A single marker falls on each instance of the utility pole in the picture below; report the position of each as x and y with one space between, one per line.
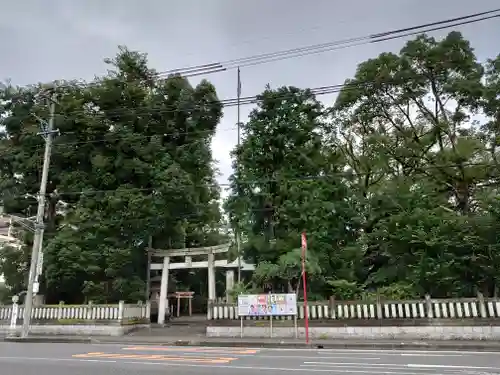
238 237
47 132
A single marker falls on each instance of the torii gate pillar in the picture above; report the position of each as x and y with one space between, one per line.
166 266
211 276
163 303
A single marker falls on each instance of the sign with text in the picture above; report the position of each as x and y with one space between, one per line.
267 304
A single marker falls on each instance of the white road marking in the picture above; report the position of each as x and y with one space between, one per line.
333 356
257 355
208 351
396 366
152 363
451 367
431 355
253 368
372 351
398 352
57 359
385 351
379 368
364 371
356 364
332 367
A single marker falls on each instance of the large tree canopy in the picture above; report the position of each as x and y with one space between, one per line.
287 181
133 160
395 183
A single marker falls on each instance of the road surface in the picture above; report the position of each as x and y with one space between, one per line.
104 359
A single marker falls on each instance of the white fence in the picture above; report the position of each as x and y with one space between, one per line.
120 313
463 308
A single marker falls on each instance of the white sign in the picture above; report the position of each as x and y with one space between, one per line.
267 304
36 287
13 318
39 264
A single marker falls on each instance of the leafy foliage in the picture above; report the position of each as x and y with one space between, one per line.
132 161
395 184
5 294
398 192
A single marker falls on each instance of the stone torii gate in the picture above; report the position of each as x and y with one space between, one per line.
187 253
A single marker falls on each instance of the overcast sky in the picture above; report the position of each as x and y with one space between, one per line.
68 39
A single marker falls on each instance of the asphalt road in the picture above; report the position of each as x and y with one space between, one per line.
84 359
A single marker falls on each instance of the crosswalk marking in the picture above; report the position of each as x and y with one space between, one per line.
188 349
157 357
188 355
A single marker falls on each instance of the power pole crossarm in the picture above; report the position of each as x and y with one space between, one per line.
47 133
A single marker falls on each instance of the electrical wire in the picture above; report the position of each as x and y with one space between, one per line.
136 220
230 102
258 59
146 111
263 58
335 48
284 179
221 66
367 39
322 90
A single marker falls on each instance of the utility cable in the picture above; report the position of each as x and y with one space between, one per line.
148 111
324 47
224 65
250 182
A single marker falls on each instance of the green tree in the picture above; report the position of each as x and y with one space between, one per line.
5 294
419 164
286 181
132 161
14 267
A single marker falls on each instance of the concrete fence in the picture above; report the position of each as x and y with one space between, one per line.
121 313
428 308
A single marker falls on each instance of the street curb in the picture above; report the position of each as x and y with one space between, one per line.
47 340
214 344
365 345
318 345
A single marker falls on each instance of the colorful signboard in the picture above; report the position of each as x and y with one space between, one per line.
267 304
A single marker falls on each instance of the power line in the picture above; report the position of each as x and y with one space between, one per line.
276 56
379 40
367 39
215 67
142 219
323 90
329 46
282 179
230 102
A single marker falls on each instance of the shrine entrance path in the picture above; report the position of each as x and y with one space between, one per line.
184 326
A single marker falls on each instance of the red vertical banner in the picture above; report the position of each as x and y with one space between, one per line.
304 279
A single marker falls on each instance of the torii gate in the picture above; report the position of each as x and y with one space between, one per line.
187 253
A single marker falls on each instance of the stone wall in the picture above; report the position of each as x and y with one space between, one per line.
75 330
362 333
